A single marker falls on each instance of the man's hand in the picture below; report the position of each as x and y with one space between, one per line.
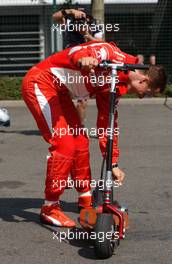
60 18
88 63
88 36
78 14
118 175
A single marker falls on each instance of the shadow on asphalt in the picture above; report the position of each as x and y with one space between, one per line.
85 244
12 208
168 107
22 132
31 133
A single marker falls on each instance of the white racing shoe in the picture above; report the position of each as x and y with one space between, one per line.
4 117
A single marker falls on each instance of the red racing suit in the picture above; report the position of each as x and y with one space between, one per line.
47 90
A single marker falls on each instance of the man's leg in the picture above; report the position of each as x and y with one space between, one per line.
81 107
80 172
43 102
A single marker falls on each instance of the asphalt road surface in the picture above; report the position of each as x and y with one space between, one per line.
146 157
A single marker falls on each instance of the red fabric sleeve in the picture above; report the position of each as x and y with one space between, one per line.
96 49
76 54
101 51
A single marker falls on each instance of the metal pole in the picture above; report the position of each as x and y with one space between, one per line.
97 11
54 32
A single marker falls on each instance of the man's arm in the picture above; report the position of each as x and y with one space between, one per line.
89 37
88 57
83 55
98 51
60 16
102 100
